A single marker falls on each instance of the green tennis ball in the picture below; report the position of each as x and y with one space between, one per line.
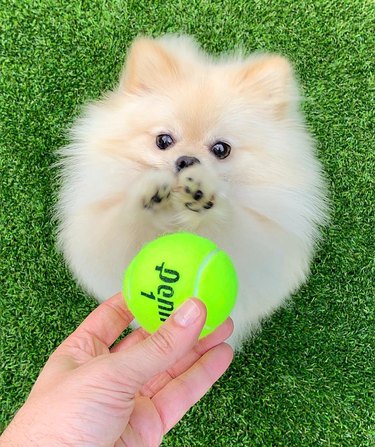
173 268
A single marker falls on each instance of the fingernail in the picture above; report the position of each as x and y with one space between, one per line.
187 314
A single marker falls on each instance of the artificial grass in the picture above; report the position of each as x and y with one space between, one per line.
308 378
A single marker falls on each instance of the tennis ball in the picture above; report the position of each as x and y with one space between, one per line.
173 268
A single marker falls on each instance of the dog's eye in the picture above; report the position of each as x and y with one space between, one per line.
163 141
221 150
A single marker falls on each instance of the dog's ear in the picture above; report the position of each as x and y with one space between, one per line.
269 79
149 66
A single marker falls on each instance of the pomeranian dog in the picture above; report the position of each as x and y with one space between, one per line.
188 142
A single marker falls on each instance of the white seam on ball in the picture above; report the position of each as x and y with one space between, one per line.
205 261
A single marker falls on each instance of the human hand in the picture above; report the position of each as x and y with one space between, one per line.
130 395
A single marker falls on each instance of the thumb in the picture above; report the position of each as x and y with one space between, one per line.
172 341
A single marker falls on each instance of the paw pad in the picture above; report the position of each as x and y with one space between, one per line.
198 195
161 195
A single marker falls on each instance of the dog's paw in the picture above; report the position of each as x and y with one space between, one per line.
157 190
196 189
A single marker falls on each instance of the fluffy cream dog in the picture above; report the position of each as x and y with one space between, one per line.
188 142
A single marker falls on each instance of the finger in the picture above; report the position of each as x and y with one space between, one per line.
105 323
158 352
173 401
215 338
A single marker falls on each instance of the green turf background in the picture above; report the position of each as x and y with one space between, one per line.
308 378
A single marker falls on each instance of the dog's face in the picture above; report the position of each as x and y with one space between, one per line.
195 128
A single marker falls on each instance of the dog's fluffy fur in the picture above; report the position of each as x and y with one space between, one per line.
266 199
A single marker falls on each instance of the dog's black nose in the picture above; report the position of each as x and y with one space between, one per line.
185 161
